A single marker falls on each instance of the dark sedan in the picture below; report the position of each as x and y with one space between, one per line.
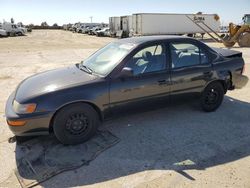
71 102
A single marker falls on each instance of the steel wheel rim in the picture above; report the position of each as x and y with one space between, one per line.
212 97
77 124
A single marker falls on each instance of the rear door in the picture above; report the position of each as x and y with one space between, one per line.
191 68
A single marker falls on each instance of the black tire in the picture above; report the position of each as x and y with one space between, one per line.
244 39
212 97
75 124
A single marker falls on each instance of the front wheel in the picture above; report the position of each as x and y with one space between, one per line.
75 124
212 97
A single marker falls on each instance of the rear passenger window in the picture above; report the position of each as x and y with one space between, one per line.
186 54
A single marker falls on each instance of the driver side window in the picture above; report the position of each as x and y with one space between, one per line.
149 59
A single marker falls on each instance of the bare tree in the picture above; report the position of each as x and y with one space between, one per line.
44 24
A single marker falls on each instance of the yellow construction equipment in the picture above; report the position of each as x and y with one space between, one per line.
238 33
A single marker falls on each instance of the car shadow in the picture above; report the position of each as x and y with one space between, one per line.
178 137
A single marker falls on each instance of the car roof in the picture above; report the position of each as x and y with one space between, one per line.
143 39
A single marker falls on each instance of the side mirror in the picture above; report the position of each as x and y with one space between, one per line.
126 72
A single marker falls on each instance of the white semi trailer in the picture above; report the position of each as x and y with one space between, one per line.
126 25
114 25
161 24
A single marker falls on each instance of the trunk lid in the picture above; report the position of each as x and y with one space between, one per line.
228 53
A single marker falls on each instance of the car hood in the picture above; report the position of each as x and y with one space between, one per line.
50 81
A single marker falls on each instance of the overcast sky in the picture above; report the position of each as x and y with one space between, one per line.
71 11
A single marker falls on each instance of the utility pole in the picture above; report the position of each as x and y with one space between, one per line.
91 18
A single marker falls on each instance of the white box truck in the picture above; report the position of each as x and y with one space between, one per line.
161 24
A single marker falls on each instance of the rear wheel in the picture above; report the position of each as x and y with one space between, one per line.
212 97
244 40
75 123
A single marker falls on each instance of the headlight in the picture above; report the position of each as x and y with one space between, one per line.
24 108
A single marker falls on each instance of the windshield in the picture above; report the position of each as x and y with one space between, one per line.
106 59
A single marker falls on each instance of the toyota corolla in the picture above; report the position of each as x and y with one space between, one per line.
71 102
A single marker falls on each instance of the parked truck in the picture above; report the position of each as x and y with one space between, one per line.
12 29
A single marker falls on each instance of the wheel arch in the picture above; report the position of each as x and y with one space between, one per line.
96 108
221 81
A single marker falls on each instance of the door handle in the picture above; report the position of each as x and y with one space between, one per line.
162 82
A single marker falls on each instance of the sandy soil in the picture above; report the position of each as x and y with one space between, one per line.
156 146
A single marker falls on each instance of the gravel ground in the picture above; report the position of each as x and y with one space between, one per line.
174 146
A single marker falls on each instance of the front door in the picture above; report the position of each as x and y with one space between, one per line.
149 83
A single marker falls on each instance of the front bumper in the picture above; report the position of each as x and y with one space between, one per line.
36 123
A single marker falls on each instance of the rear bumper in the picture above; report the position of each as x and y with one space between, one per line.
35 124
239 81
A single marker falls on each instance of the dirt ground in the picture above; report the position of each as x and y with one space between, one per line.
176 146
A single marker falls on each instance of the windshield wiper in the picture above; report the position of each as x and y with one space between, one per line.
85 68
